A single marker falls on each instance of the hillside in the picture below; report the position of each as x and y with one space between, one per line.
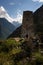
17 52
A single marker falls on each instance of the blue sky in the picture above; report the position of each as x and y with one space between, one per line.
14 7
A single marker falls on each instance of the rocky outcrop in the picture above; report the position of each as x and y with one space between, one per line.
38 22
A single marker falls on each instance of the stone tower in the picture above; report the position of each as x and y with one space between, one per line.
27 24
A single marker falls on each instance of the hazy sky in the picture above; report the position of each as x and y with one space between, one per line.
16 7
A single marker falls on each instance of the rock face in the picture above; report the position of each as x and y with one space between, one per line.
27 24
0 29
38 19
38 22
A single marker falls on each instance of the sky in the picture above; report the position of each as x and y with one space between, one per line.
15 8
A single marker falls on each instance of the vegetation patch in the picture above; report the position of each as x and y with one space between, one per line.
13 52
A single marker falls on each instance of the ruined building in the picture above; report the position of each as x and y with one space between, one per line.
27 24
33 23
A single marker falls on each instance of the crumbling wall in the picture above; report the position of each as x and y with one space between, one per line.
27 24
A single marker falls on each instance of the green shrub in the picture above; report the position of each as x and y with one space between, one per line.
39 59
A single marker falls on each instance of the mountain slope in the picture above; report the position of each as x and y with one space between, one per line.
4 14
7 24
6 28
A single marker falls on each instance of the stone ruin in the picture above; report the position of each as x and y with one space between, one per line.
27 25
32 24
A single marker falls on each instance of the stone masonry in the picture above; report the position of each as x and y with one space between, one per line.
27 24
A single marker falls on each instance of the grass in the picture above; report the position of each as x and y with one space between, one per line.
11 53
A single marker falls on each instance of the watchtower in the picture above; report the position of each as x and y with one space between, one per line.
27 24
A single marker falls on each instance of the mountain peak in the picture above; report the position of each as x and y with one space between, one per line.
2 8
4 14
2 11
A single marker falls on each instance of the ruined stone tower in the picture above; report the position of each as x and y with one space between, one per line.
27 24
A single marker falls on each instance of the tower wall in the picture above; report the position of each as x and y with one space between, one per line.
27 24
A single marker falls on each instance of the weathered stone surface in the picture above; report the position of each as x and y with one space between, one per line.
38 22
27 24
0 29
38 19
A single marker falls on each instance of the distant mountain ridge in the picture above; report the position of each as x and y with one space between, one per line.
6 28
7 24
4 14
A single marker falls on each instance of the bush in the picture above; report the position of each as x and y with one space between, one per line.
38 59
